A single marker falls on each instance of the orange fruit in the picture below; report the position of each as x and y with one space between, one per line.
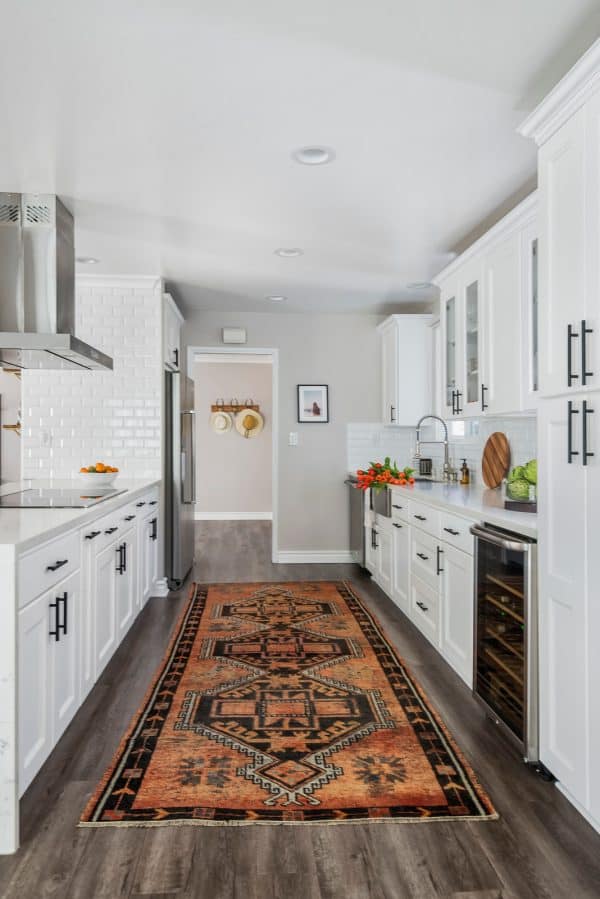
100 467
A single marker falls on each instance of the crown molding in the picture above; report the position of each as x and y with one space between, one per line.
516 218
565 98
146 282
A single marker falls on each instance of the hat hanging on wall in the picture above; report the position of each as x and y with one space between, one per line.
221 422
249 423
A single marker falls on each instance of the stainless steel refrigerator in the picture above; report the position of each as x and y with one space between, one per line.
180 476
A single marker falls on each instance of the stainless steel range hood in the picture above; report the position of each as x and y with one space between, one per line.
37 287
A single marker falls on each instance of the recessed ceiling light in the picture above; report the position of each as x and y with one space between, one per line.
420 285
314 155
87 260
288 252
277 299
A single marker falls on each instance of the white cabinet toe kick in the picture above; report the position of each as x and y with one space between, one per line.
68 602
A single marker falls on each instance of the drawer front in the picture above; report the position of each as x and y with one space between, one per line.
425 559
425 609
39 570
455 530
424 517
99 534
400 507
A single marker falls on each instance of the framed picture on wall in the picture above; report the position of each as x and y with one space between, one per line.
313 403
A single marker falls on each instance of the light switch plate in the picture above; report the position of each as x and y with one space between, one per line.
293 438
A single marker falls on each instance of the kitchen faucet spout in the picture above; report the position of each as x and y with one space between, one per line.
444 442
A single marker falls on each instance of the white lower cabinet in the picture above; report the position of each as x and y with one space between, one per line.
148 557
429 579
401 565
48 673
126 573
456 625
103 589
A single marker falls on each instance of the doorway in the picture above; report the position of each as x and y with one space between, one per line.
236 456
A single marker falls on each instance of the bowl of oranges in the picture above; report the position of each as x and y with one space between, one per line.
99 474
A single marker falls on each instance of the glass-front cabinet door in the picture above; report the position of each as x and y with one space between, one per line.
472 344
451 331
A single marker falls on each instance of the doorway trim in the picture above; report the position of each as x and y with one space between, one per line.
193 351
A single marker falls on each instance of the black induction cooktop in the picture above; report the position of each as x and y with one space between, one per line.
56 498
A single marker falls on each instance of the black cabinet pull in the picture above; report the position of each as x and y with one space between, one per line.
458 406
373 538
452 531
420 517
484 405
394 506
124 557
392 414
585 452
154 531
439 568
423 556
571 336
139 505
153 502
92 535
56 632
129 517
396 525
454 402
62 600
571 411
111 530
422 606
121 566
57 565
585 374
176 354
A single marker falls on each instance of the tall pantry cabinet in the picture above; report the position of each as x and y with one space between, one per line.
566 127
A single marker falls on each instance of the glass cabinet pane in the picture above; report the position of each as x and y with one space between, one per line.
450 349
534 316
472 326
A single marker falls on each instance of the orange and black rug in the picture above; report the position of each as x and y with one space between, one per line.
283 704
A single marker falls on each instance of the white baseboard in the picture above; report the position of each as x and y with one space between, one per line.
332 556
161 587
234 516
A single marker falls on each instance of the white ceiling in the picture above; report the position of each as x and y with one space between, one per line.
168 129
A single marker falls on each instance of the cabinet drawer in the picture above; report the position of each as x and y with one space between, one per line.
425 609
424 552
424 517
99 534
400 507
45 566
456 531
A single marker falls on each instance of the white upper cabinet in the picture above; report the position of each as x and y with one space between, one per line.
172 321
486 295
406 369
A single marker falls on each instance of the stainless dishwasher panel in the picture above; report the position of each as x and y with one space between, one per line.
357 523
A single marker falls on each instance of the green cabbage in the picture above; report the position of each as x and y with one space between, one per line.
517 474
531 471
518 489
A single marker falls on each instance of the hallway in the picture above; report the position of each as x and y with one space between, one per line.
540 847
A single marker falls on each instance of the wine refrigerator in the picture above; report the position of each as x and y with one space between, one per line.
505 657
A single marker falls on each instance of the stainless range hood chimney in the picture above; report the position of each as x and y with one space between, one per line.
37 287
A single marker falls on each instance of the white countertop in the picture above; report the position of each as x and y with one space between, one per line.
26 527
477 503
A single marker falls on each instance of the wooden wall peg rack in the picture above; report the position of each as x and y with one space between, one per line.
234 407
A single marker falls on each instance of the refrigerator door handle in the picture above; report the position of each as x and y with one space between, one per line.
191 475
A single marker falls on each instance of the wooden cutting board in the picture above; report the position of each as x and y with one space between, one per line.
496 459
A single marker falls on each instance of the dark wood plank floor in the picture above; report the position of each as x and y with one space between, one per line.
540 847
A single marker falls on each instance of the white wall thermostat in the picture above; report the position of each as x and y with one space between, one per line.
234 335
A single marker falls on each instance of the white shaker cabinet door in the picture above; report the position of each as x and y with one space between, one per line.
500 390
401 566
389 375
384 569
126 582
36 621
105 613
456 640
65 655
562 501
562 254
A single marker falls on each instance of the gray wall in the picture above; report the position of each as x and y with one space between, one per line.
233 475
339 350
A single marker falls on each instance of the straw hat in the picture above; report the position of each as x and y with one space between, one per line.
249 423
221 422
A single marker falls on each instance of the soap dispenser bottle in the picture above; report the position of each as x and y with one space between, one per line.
465 479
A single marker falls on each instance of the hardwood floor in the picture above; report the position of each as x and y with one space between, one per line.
540 847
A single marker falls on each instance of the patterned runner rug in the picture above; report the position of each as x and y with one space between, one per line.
284 703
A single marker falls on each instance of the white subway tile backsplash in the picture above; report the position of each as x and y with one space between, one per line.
87 416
